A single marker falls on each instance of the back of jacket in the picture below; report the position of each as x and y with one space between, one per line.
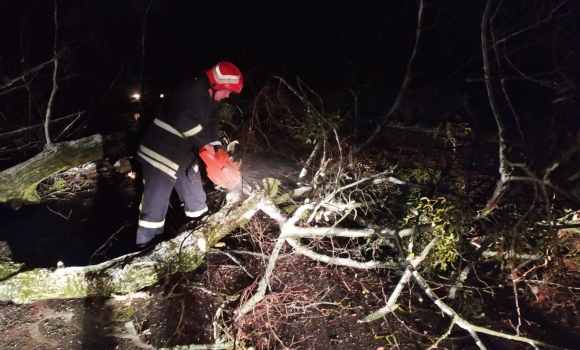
190 121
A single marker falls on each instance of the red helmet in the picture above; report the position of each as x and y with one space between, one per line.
225 76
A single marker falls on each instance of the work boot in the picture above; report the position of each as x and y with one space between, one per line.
149 244
168 233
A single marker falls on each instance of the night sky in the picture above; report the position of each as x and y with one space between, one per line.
323 42
331 45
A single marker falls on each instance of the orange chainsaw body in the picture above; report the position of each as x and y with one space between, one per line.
221 169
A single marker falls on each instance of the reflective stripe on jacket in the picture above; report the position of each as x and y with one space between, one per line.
189 122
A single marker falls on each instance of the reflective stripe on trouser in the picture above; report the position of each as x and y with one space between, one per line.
158 187
190 191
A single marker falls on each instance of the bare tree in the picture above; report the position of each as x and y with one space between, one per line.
404 86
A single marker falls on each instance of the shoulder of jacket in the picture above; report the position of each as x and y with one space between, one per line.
200 80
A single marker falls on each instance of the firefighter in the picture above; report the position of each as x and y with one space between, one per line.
170 147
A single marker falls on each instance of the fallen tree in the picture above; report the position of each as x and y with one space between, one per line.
184 253
18 184
433 222
430 224
127 273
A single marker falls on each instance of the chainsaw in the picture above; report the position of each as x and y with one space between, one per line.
221 169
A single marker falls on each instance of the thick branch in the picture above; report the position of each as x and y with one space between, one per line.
392 302
127 273
310 159
18 184
472 329
363 265
312 232
288 229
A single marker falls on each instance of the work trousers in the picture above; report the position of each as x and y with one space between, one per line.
158 187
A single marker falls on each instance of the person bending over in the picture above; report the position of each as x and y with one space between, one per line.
169 150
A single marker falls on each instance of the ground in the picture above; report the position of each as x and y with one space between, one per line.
309 305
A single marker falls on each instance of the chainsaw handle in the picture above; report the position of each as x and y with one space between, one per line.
209 149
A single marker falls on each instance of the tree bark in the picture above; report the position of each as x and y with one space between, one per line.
18 184
130 272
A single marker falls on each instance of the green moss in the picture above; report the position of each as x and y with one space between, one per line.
139 276
288 209
123 312
121 275
270 186
30 195
59 185
272 189
9 268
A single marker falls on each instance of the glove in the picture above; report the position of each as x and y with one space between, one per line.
211 149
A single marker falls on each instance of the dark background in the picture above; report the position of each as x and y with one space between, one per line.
338 48
329 44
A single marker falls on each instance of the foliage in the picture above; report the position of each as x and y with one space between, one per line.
71 181
310 126
228 115
474 310
446 218
424 176
59 184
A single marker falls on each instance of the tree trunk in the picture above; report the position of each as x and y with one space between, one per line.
130 272
18 184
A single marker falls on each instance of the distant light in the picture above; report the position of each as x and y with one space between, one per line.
162 96
136 96
136 116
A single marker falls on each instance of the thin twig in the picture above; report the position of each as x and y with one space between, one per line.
68 126
233 259
98 251
548 18
37 126
50 105
443 336
59 214
503 166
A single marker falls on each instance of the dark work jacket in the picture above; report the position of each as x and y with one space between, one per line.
188 122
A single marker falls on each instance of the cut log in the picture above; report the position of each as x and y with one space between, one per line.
127 273
18 184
